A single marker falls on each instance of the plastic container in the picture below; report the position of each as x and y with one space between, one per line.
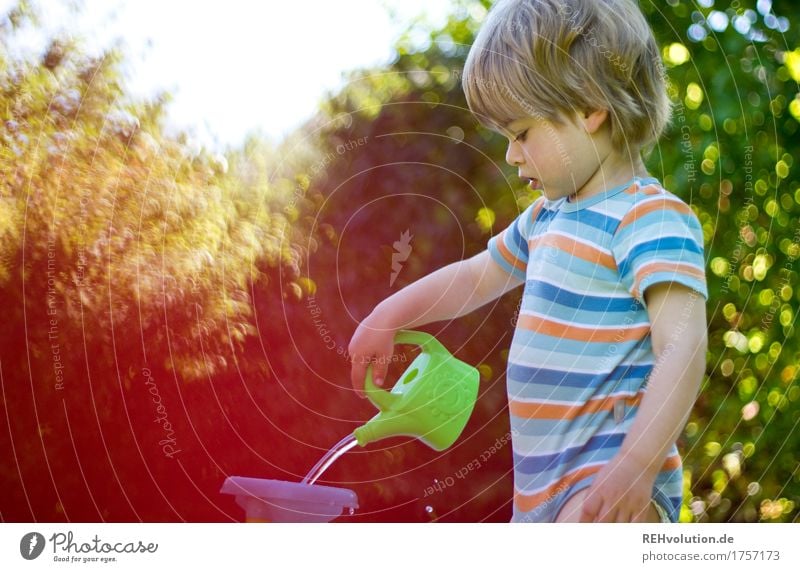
269 500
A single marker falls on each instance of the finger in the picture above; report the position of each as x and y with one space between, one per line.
624 516
641 516
358 372
607 513
589 509
379 370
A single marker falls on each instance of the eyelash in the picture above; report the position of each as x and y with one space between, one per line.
521 136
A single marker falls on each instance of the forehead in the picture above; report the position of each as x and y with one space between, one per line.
518 124
511 126
530 121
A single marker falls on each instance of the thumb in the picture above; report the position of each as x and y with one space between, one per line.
357 375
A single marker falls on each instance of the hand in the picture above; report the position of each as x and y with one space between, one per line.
371 344
621 492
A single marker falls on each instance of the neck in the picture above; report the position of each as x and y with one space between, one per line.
614 170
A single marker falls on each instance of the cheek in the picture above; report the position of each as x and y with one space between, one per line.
542 154
532 150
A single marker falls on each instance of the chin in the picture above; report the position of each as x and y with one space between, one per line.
551 196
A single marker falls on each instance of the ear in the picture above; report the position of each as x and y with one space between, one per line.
593 120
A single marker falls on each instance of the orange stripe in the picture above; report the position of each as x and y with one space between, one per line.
643 209
559 330
535 210
652 190
529 502
647 189
675 267
503 249
672 463
540 410
575 248
506 253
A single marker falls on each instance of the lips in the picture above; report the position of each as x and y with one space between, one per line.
535 184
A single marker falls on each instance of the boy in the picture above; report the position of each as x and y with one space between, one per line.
609 348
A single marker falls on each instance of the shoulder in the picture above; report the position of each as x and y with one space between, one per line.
648 204
535 207
530 215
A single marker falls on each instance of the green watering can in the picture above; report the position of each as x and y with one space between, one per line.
431 401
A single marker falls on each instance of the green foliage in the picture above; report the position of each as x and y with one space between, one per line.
730 152
117 222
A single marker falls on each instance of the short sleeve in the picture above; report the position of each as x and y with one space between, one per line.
660 240
510 248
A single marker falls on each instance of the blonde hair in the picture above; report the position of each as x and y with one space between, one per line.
541 58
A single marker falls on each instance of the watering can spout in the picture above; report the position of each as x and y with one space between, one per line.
381 426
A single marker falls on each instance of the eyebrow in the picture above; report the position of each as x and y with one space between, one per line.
505 130
516 122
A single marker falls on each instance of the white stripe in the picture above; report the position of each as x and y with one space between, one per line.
615 327
572 369
560 402
572 444
590 293
614 209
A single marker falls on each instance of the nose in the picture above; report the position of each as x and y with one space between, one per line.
514 154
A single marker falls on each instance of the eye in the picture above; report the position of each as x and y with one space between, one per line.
521 136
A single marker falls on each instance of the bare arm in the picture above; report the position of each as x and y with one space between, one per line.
623 487
450 292
678 331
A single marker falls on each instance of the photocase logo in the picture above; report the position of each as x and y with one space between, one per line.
402 250
31 545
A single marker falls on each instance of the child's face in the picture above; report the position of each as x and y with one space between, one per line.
558 158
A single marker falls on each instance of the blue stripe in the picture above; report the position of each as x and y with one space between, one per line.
544 376
680 244
555 294
517 243
539 463
498 258
531 346
545 214
593 218
688 281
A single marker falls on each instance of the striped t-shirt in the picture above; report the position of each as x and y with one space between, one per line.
581 350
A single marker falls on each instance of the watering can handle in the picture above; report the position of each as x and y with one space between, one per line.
383 399
422 339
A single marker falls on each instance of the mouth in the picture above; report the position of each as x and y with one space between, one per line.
534 184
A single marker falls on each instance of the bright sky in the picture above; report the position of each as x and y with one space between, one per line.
238 65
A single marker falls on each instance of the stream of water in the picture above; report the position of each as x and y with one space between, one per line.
329 458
